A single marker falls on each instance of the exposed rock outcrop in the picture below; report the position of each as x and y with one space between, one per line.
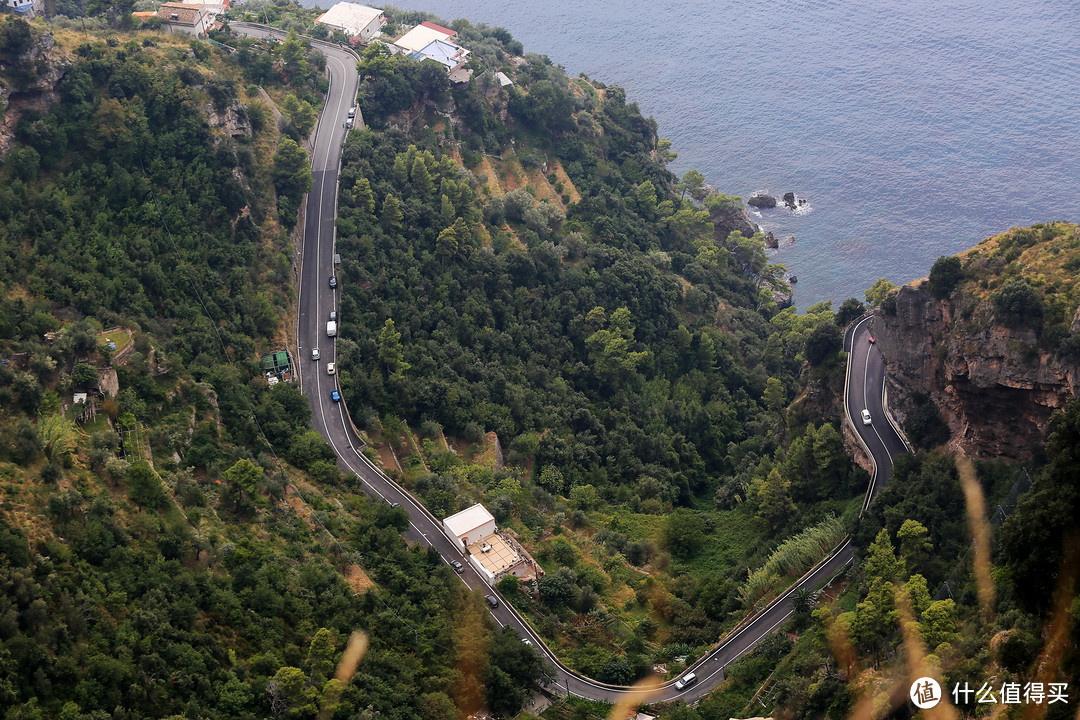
995 387
762 201
728 217
29 79
233 119
789 200
771 241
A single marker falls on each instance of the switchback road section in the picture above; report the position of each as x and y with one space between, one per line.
317 299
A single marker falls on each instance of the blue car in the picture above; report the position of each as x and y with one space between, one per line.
335 396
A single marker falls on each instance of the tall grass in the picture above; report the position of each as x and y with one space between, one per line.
795 555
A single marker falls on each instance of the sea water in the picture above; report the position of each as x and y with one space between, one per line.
913 129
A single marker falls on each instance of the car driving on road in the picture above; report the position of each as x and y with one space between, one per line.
315 353
458 567
866 417
492 600
686 681
333 281
331 368
335 396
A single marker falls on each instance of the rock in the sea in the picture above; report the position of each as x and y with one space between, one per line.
789 200
791 240
792 280
762 201
770 240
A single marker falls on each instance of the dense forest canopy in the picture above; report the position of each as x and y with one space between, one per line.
521 271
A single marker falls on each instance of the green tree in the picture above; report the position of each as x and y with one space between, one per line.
447 245
144 486
617 671
773 397
877 293
1018 305
363 197
693 182
610 349
556 589
292 178
915 543
774 499
321 655
420 177
685 533
15 37
391 212
551 479
391 352
291 695
849 310
823 343
881 564
939 623
244 479
945 274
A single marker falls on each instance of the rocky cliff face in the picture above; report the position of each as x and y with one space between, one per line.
996 388
30 70
729 217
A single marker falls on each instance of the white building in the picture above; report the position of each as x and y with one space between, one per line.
214 8
423 35
452 57
471 525
190 19
354 19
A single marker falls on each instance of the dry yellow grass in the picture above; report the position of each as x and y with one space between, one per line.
568 185
358 580
510 173
543 189
491 178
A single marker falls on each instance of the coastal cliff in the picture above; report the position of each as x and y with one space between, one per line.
995 372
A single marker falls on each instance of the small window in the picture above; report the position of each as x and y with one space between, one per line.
174 16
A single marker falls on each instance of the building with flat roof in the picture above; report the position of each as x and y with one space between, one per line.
354 19
471 525
422 35
492 556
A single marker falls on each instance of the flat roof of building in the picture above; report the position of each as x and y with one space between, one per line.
496 560
351 16
423 35
467 520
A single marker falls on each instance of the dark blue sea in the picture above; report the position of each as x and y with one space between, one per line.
914 129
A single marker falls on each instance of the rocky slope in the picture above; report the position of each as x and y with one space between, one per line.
996 385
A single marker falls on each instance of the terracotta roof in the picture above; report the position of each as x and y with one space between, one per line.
432 26
185 14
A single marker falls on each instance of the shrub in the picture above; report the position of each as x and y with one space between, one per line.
1017 305
945 275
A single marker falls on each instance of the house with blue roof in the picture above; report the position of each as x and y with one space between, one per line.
450 56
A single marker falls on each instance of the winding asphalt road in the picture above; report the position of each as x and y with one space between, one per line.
316 299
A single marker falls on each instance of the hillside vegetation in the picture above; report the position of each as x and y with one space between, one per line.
162 553
521 269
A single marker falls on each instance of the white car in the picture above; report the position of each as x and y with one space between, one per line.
315 354
685 681
330 368
866 417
